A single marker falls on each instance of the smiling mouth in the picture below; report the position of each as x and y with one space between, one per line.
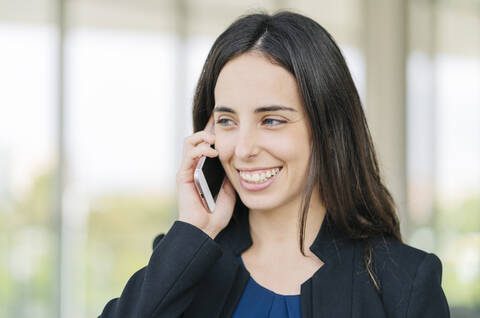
258 182
259 170
259 176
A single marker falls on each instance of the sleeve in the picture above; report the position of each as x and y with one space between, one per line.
427 299
167 285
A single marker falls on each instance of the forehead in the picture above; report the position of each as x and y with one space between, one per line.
251 80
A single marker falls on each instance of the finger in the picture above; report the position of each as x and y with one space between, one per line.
191 157
227 186
203 149
226 197
209 126
198 137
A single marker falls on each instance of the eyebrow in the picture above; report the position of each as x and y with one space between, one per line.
266 108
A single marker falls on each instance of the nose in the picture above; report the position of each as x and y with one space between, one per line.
246 144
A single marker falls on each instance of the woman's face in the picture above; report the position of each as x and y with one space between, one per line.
249 137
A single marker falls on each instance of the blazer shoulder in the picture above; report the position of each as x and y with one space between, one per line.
407 276
389 249
157 240
394 258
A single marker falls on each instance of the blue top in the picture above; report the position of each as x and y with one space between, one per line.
260 302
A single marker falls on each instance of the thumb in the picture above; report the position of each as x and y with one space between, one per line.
227 193
227 187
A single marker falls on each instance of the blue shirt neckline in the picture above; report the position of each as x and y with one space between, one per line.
263 288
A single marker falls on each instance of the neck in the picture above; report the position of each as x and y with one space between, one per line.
277 231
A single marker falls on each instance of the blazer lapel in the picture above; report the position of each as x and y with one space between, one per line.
236 239
219 291
328 293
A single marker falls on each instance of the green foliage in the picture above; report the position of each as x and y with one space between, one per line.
464 218
121 231
459 230
36 207
23 222
458 292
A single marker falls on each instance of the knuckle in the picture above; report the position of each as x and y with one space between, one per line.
207 148
195 153
207 135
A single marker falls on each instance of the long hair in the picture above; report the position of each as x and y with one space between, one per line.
343 160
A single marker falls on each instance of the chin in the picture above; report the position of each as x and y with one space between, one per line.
260 203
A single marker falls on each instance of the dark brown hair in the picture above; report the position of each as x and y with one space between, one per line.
343 160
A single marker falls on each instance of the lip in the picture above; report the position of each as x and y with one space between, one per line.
257 186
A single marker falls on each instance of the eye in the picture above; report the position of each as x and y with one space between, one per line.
269 122
222 121
274 120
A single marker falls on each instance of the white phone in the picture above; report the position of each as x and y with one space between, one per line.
208 178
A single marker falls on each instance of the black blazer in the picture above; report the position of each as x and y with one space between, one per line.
191 275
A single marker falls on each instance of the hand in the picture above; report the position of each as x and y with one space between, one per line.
190 206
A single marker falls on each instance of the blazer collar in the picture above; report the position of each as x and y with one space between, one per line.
327 245
328 293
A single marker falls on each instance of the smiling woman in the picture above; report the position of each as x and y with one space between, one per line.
301 169
252 145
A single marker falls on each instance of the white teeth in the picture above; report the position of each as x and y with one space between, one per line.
259 178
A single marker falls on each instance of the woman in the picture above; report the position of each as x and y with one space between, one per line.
301 171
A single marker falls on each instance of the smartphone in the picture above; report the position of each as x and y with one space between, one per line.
208 178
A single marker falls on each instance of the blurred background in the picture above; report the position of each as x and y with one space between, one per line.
95 100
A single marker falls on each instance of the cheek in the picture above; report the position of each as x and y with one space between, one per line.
223 145
294 152
289 148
